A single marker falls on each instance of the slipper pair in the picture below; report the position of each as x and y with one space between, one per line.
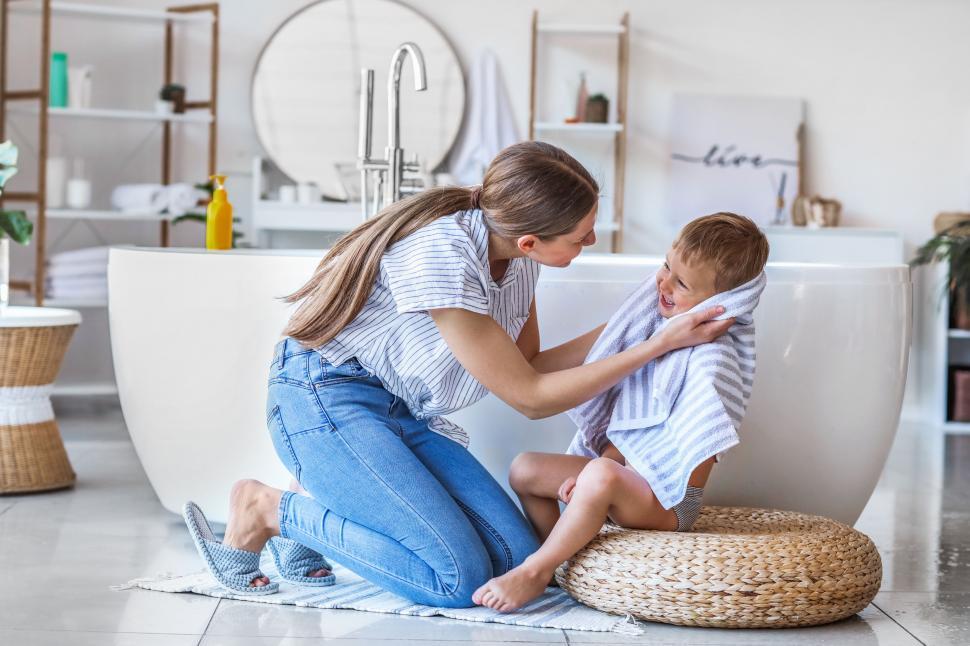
235 569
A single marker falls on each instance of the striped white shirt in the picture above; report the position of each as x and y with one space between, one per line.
442 265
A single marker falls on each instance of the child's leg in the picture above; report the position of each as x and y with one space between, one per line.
536 478
604 488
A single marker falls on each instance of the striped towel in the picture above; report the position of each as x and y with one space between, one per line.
681 408
554 609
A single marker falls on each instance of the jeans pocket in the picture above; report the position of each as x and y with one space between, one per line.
281 442
349 370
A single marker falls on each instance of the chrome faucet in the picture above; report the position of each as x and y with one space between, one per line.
388 173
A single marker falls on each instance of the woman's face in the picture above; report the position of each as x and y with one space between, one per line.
560 251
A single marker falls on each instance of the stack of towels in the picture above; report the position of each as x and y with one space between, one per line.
81 274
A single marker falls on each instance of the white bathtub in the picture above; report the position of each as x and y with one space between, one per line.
192 334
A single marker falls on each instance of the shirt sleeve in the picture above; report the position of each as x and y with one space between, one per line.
435 267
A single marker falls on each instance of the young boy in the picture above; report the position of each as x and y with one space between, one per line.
674 416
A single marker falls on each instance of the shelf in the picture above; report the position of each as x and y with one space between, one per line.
85 390
105 11
107 214
592 128
590 30
958 334
116 115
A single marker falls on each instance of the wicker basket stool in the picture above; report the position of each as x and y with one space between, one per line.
33 341
739 568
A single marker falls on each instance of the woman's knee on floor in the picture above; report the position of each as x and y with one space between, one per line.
473 569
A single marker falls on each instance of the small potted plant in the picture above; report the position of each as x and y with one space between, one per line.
597 108
175 94
952 244
13 224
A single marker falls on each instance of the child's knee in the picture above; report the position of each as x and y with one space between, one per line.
523 471
598 479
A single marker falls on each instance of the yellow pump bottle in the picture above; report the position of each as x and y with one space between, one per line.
218 219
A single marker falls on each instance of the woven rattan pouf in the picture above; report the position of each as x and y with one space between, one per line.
33 341
739 568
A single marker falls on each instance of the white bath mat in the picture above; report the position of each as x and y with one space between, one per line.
554 609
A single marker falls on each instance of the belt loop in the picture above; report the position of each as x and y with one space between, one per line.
282 353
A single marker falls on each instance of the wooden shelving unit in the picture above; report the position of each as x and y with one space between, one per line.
617 129
36 101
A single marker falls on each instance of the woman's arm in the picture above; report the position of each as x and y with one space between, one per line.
487 352
566 355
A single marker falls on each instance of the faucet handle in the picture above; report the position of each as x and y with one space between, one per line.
413 166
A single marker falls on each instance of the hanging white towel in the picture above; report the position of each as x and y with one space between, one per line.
681 408
490 126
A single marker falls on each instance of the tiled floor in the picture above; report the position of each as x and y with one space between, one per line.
60 552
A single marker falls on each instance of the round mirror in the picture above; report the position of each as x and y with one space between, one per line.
306 90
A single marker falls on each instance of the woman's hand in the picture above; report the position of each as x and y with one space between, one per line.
695 329
565 492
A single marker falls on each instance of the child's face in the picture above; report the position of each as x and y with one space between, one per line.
682 286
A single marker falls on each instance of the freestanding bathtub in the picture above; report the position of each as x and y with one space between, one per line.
192 334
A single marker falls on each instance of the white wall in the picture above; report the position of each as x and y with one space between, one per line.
888 105
888 102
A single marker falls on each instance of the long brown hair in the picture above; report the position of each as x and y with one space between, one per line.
529 188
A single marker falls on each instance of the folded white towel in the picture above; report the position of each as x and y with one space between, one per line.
681 408
140 199
69 270
93 294
76 256
181 198
73 282
153 199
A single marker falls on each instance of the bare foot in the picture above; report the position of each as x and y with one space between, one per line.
513 589
253 519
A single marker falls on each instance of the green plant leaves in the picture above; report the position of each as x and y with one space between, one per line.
16 225
952 245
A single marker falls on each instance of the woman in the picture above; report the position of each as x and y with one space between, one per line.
416 313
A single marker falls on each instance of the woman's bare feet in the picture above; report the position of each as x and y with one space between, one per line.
252 518
513 589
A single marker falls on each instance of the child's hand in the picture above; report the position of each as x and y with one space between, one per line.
565 492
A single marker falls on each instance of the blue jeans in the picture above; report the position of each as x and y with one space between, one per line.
402 506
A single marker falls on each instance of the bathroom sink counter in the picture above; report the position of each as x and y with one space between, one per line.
192 336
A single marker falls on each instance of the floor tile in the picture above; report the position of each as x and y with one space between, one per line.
869 627
68 547
242 618
934 618
60 638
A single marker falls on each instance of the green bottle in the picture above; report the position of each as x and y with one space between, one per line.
58 80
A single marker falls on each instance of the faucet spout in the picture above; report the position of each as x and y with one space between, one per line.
394 88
